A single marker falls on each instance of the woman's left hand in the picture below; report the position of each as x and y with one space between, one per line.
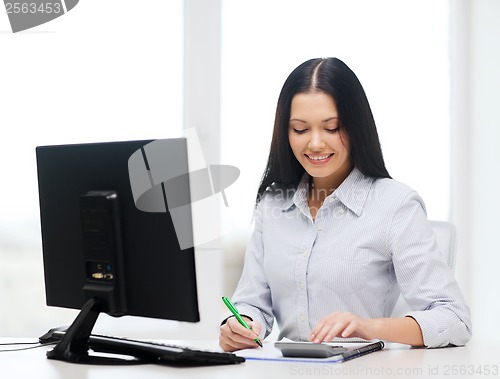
343 324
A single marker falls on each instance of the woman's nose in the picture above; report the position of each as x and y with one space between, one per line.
316 142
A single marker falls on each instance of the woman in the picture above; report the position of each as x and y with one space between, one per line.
336 239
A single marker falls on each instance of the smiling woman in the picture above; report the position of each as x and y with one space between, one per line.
347 219
323 118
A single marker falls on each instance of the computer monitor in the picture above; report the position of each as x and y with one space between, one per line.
101 253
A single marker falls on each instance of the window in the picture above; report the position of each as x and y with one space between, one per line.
106 71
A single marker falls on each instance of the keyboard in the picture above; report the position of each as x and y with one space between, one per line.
151 352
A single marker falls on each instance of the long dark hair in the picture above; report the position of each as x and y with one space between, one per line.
335 78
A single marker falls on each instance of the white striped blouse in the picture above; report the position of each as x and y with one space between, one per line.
370 239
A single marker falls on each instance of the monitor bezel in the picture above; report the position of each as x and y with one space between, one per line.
65 172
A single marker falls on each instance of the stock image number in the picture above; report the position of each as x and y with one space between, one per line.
471 370
32 8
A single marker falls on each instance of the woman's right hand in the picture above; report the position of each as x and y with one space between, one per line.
234 336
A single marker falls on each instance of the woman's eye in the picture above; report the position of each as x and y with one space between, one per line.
333 130
299 131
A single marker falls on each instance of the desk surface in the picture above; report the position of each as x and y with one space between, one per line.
397 361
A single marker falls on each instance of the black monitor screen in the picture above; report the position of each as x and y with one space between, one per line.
97 243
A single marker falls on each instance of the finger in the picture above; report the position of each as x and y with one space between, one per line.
228 344
236 338
316 330
349 329
225 344
330 330
256 328
239 329
230 341
336 330
320 336
321 330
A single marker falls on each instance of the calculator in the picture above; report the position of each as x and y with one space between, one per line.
309 349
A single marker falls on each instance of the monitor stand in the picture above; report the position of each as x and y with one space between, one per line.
74 346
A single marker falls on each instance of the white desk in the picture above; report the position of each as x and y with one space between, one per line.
395 361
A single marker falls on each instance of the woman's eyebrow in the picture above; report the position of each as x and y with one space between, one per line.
330 119
323 121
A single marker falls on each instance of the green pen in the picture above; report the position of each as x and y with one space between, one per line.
236 314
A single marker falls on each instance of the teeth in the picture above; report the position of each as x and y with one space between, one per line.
318 158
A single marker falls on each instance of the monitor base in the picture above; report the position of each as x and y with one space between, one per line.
74 347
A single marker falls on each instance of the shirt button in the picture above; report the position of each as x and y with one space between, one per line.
341 211
331 200
301 285
304 252
318 228
302 318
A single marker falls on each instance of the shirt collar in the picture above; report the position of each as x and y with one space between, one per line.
299 196
353 192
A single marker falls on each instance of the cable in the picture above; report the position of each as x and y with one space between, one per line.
19 343
38 344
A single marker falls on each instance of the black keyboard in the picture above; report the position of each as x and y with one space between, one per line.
152 352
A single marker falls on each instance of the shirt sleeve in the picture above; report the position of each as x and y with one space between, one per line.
253 295
426 281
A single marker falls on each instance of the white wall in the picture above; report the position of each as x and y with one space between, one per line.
475 157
